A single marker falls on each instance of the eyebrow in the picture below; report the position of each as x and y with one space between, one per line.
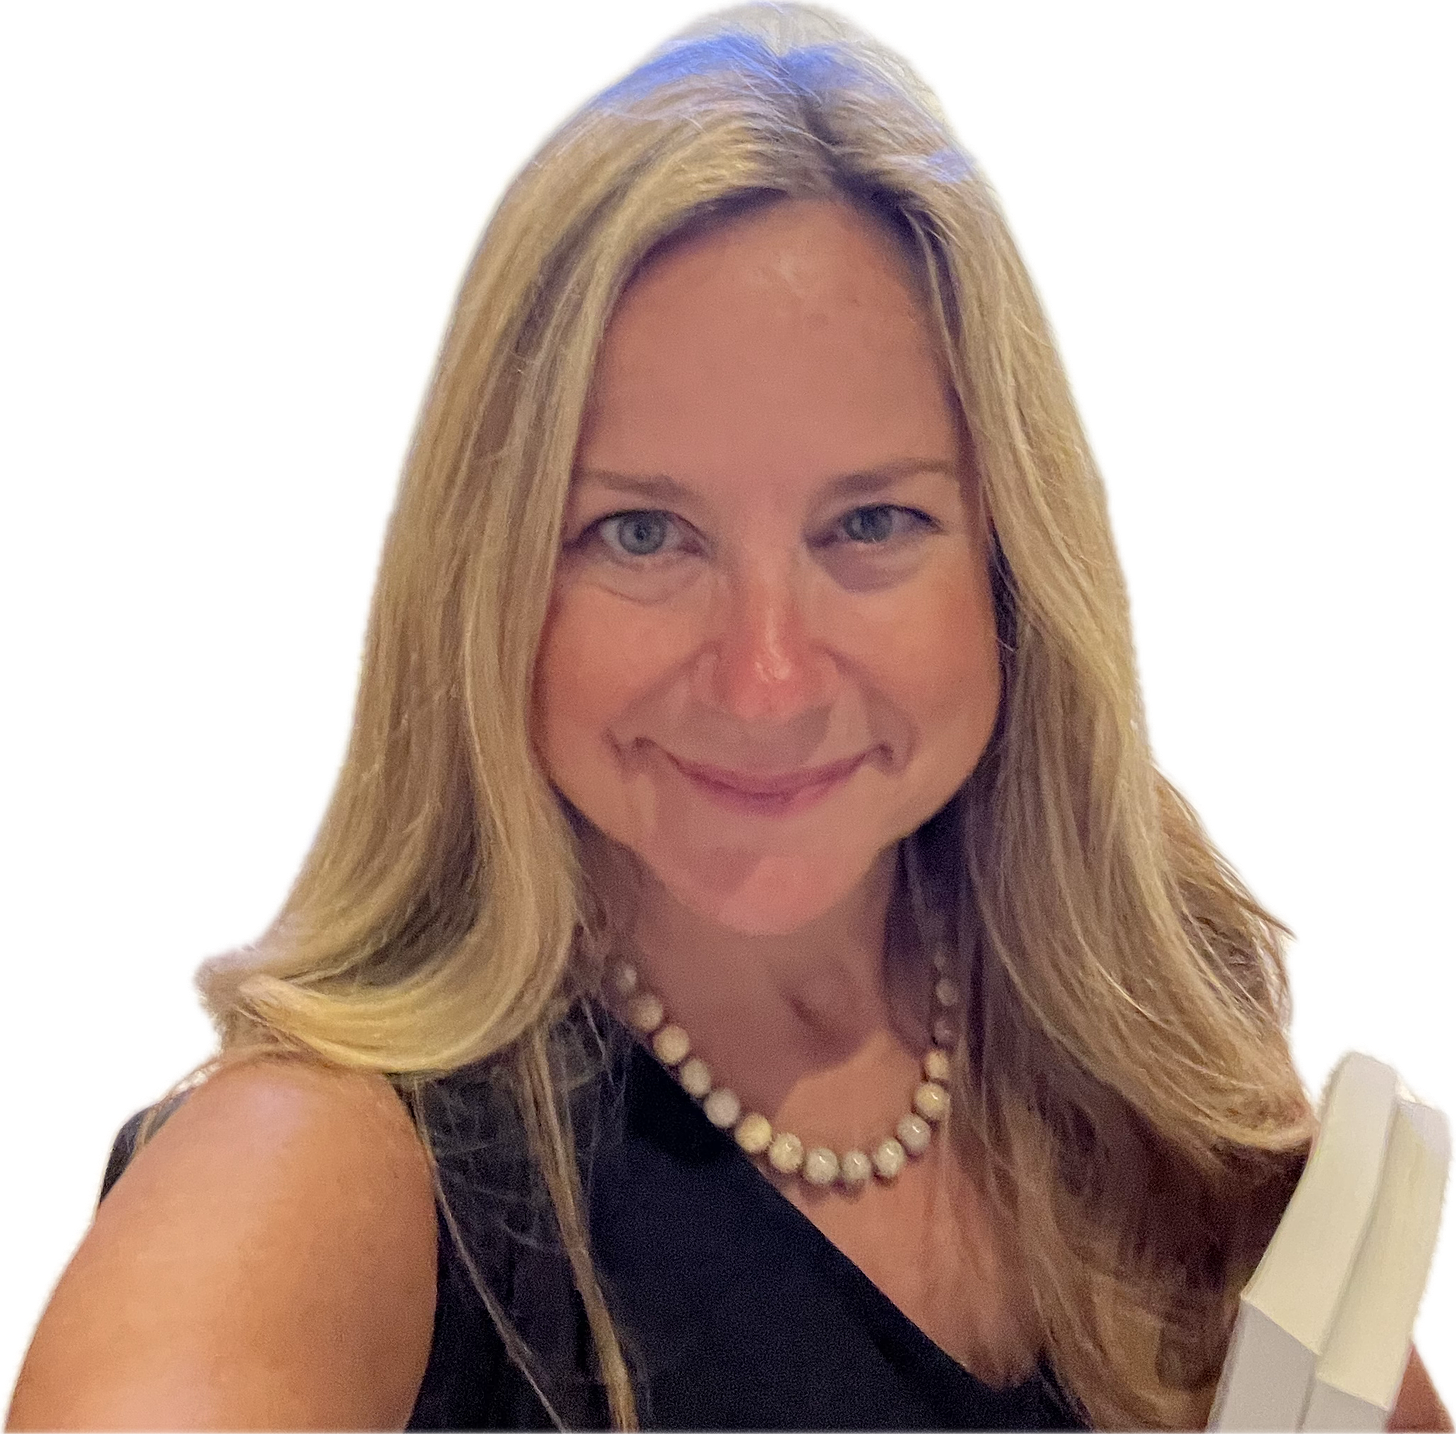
848 485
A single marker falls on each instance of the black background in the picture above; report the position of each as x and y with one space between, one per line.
239 265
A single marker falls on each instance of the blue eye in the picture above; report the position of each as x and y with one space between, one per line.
641 533
879 523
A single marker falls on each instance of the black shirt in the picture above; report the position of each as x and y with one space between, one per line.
734 1310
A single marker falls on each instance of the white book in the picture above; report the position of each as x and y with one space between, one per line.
1331 1306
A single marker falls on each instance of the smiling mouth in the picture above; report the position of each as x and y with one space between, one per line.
768 788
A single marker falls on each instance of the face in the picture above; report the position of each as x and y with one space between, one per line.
771 649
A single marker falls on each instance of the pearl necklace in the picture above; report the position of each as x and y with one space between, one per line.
785 1152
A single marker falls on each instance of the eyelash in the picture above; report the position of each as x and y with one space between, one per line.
597 529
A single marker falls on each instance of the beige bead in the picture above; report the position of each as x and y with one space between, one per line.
786 1154
644 1013
932 1100
855 1168
947 993
753 1133
937 1066
914 1134
940 960
722 1108
821 1167
624 979
889 1158
943 1033
696 1077
671 1045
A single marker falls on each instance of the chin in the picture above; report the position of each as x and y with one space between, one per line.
763 895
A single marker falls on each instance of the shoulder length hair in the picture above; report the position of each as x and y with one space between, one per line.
1124 1091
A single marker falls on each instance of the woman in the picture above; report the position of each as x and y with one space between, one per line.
749 675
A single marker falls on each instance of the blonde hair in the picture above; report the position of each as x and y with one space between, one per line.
1125 1085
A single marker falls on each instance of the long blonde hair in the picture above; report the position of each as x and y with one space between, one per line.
1125 1087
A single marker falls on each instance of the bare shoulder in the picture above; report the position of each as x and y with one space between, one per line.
266 1261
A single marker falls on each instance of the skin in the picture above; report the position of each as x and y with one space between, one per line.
267 1261
1418 1406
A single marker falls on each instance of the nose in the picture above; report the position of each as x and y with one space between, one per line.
762 663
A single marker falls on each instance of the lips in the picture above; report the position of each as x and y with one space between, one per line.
757 785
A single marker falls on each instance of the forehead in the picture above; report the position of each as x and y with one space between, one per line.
791 338
802 252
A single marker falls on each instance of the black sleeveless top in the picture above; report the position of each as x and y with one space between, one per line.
734 1311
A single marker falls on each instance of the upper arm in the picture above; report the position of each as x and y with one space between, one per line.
266 1261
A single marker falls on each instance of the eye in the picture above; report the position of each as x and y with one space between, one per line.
881 522
641 533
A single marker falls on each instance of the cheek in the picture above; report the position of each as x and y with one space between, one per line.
598 657
937 661
575 684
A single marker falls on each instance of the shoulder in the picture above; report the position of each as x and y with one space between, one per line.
267 1259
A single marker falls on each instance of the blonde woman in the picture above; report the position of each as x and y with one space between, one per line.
751 972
